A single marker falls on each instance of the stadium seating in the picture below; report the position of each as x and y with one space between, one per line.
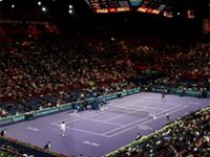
37 73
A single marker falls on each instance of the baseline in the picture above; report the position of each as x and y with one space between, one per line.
138 121
181 108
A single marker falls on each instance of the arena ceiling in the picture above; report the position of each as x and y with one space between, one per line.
65 8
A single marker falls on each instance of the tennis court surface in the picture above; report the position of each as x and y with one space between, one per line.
97 132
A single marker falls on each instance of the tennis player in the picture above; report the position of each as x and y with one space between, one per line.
62 128
164 95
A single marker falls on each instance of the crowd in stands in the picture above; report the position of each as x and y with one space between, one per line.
3 113
39 73
10 151
7 150
34 69
190 137
5 154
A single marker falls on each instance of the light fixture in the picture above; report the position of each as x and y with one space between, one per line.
43 9
70 11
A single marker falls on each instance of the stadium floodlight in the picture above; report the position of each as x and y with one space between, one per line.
43 9
39 3
70 11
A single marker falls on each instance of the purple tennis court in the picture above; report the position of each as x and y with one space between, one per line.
98 132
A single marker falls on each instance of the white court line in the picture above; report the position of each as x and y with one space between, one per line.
104 134
84 116
88 117
144 122
152 108
85 131
160 108
138 121
149 101
95 120
121 107
142 119
195 103
158 103
67 120
138 111
163 103
32 128
125 102
80 116
70 120
143 107
129 101
125 105
164 111
91 143
147 97
122 126
123 115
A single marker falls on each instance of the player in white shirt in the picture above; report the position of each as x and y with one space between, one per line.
62 128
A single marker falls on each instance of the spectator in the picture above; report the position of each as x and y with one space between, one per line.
47 146
3 132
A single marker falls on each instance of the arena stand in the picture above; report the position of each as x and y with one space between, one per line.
40 74
37 73
13 148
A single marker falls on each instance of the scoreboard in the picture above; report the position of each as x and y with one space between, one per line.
135 3
106 6
152 6
147 6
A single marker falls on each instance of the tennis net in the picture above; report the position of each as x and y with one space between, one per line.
129 111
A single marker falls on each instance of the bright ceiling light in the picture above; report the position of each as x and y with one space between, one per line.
43 9
70 11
